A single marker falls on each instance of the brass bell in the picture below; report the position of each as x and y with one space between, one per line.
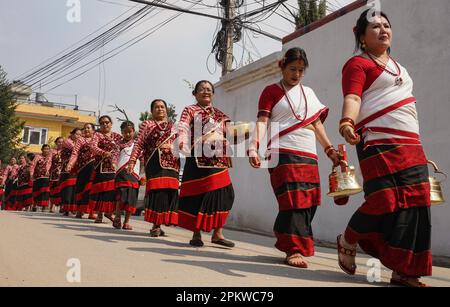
436 195
343 183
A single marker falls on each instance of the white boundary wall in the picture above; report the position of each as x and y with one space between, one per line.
421 44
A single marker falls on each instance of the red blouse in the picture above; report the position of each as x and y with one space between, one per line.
40 167
10 172
56 165
24 175
82 154
102 144
358 75
208 118
151 135
66 153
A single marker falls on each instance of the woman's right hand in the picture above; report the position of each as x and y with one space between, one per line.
350 136
166 146
254 159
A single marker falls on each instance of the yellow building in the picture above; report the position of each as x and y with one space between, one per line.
45 121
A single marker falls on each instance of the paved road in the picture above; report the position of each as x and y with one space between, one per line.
35 249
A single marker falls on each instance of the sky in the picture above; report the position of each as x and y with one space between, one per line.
32 31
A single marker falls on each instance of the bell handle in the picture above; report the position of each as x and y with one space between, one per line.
436 169
341 163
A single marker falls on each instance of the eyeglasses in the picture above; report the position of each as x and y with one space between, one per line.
204 90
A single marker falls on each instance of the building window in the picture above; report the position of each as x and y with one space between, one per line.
35 136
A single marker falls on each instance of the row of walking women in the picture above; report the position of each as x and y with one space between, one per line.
379 116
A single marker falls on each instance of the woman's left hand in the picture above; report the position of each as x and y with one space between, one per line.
334 157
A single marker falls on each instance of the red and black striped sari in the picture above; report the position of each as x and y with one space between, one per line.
83 160
2 192
296 184
24 190
41 183
10 194
161 197
55 174
41 192
206 192
10 181
102 195
394 223
67 179
127 190
206 197
161 170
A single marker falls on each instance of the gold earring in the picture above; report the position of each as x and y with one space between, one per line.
363 45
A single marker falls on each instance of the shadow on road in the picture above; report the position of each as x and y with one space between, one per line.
220 260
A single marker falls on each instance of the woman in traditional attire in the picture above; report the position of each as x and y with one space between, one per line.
24 192
68 179
127 183
380 117
206 192
40 174
2 185
155 143
10 181
294 173
105 147
82 162
55 174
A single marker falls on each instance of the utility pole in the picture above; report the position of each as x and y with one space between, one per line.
229 12
231 26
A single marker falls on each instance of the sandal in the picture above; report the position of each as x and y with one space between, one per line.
196 242
92 217
117 223
348 252
98 221
223 242
290 260
109 217
127 227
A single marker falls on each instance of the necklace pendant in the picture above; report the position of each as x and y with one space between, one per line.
398 81
211 120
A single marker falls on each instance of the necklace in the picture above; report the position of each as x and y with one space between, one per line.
398 78
161 129
211 114
290 103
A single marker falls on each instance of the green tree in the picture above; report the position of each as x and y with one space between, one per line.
322 8
309 11
171 114
11 126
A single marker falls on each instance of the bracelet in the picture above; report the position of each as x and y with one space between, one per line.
330 151
327 149
347 120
